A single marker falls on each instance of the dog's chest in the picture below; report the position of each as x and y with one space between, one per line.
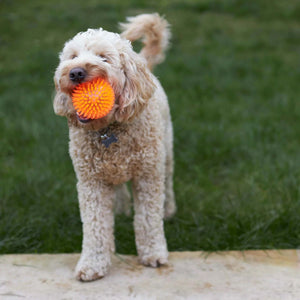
115 162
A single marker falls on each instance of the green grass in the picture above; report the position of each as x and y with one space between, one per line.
232 76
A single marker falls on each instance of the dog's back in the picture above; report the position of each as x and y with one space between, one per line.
155 34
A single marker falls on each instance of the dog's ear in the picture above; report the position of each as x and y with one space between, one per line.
138 87
62 102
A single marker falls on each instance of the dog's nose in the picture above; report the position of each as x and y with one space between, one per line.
77 74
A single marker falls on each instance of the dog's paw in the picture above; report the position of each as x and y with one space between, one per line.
154 260
92 268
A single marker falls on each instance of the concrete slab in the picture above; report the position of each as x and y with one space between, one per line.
189 275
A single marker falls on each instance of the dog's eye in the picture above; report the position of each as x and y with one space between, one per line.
102 57
73 56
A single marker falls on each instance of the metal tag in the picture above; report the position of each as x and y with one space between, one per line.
107 140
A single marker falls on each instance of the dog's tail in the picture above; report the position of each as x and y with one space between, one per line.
155 33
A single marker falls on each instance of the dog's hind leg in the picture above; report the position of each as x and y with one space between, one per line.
170 204
123 200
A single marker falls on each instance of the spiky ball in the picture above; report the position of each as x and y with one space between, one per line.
93 99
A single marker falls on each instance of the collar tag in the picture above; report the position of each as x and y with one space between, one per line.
107 140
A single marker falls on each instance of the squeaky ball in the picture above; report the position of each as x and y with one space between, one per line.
93 99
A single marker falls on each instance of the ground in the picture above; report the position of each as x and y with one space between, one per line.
232 77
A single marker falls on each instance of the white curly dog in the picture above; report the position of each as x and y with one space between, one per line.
134 142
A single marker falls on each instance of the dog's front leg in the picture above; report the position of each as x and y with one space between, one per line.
96 210
148 220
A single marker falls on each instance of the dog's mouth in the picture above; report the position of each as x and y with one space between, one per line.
82 119
92 99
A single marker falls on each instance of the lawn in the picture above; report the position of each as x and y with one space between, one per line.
232 75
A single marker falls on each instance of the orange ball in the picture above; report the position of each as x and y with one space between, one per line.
93 99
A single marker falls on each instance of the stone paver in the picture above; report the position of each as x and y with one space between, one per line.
190 275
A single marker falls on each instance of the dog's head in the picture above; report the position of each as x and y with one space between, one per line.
99 53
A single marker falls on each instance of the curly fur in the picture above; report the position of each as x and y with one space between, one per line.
155 33
143 154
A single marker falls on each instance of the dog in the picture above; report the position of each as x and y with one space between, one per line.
134 142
